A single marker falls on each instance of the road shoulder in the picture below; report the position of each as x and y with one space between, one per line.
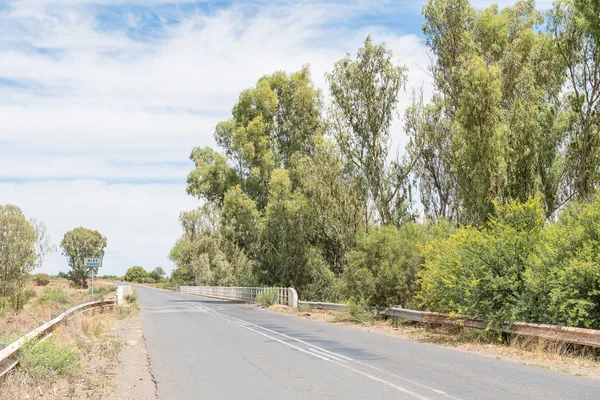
133 379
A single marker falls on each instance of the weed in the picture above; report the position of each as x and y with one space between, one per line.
268 297
361 312
131 297
102 290
50 356
131 308
54 297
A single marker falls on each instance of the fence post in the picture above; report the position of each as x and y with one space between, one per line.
292 297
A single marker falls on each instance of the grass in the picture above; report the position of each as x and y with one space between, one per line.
50 356
75 362
130 308
268 297
54 297
102 290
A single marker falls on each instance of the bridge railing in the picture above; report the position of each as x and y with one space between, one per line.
285 296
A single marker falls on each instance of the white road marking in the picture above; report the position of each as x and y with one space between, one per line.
324 354
383 381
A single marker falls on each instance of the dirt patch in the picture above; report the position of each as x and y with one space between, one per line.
527 351
133 379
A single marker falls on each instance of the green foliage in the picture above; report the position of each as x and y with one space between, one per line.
483 272
565 274
157 274
63 275
50 356
365 97
495 127
54 297
268 297
136 274
361 311
77 244
23 244
41 279
382 269
205 256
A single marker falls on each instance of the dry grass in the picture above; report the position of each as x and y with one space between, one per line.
96 350
37 311
76 362
543 353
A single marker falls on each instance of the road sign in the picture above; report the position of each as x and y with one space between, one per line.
92 262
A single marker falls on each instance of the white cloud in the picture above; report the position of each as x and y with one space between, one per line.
139 221
100 106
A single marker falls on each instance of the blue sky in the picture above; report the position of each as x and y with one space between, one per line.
102 101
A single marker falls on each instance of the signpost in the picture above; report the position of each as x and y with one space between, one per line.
93 263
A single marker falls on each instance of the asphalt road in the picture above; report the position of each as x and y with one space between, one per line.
202 348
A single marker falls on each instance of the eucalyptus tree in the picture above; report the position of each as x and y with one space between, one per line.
77 244
494 128
574 27
364 102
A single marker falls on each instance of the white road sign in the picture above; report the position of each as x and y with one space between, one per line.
92 262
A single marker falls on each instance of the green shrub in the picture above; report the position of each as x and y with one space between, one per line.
41 279
483 272
361 312
268 297
54 297
50 356
565 278
383 267
131 297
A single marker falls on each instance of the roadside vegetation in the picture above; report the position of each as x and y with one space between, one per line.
75 362
492 209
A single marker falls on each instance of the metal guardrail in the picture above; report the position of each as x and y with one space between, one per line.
8 359
587 337
286 296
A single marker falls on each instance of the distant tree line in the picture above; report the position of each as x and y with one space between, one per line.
140 275
491 211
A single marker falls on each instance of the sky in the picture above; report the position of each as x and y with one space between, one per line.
102 101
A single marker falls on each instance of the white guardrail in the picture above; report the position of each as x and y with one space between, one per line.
286 296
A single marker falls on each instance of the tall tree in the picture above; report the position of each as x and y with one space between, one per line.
492 131
574 27
78 244
274 120
365 97
18 253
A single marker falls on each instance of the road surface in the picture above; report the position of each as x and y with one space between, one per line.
202 348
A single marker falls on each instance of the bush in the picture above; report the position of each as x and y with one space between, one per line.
565 277
50 356
41 279
361 312
268 297
483 272
54 297
383 267
131 298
